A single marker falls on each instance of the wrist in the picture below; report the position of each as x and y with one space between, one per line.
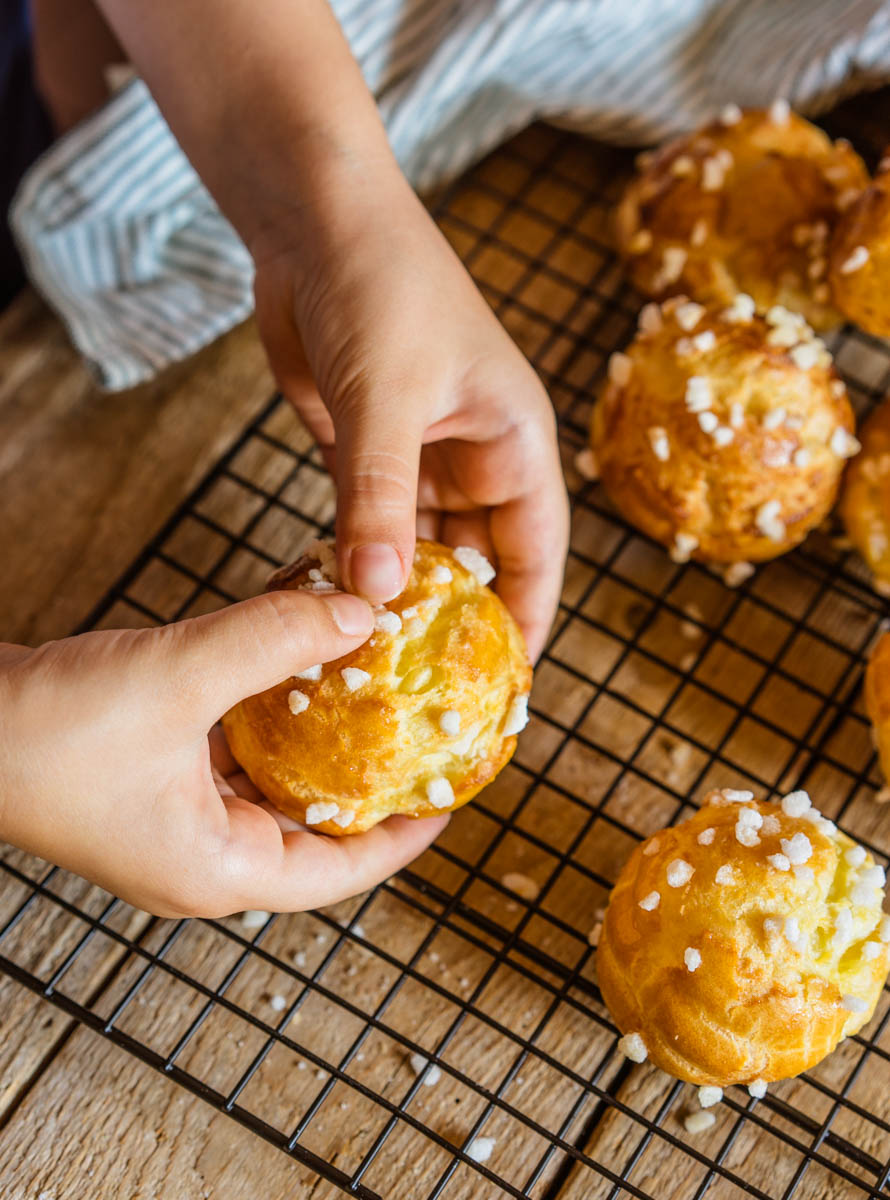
329 193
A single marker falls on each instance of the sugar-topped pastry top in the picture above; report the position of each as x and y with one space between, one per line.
415 721
746 204
722 433
741 945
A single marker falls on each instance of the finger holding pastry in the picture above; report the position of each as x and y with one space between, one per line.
415 721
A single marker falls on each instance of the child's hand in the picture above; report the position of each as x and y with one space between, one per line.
379 337
373 327
105 764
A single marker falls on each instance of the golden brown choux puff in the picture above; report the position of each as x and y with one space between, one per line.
859 262
877 700
865 497
723 434
743 944
416 721
745 204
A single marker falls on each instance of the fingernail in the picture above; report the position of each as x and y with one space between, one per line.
376 572
351 615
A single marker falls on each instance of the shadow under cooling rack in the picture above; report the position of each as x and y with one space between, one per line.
314 1031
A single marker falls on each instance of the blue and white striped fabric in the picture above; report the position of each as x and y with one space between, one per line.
124 241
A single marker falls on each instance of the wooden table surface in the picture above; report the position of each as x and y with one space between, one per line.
86 478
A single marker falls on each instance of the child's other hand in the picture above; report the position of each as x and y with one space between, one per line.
430 418
105 762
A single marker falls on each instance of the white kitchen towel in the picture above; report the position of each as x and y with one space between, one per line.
123 240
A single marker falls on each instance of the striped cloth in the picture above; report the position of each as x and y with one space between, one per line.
121 237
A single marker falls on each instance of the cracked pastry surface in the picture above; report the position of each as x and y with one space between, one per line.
859 263
415 721
722 434
745 204
742 945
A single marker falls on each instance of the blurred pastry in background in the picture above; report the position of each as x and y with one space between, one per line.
865 497
859 261
745 204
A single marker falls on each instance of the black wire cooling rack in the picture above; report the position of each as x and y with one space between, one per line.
315 1030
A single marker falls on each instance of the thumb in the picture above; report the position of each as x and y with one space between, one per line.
378 458
212 662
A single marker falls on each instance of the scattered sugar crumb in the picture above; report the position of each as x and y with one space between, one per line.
521 884
737 795
709 1096
586 465
620 368
736 573
277 1003
517 716
313 672
321 810
297 702
480 1149
388 622
679 872
855 261
419 1065
692 958
442 574
633 1047
795 804
698 1122
440 793
474 562
730 115
354 678
854 1004
255 918
684 544
855 856
449 722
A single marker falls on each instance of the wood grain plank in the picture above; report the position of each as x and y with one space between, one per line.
86 477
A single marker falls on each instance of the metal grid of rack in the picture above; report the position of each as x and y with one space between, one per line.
658 682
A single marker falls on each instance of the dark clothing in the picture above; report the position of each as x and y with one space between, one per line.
24 129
